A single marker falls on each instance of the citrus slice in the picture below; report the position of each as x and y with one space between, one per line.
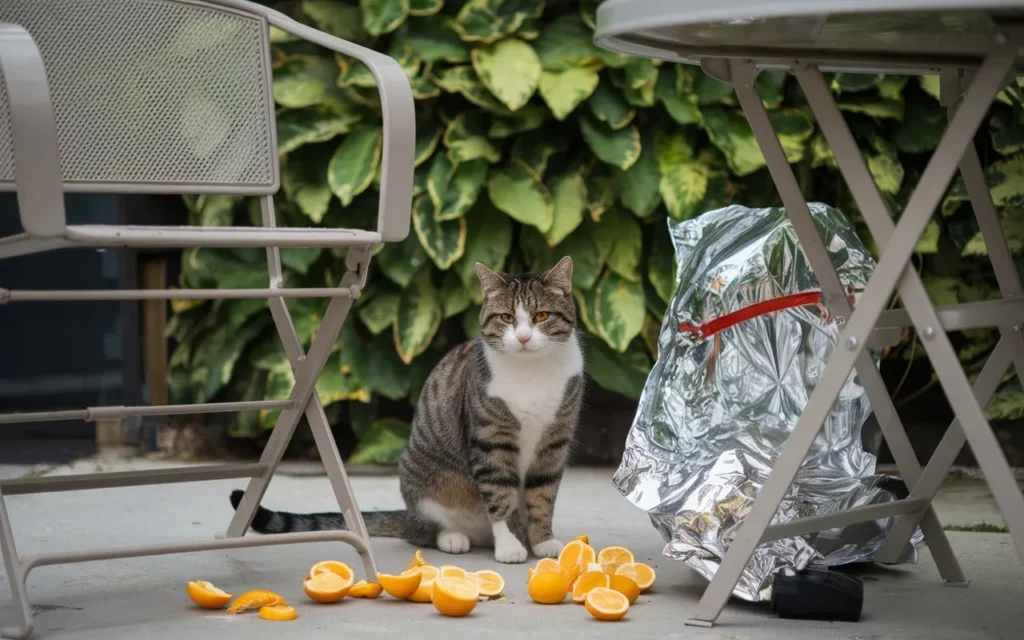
588 581
417 560
327 587
548 587
584 538
401 586
207 596
425 590
575 557
615 555
490 582
454 596
254 599
450 571
364 589
626 586
605 604
333 566
640 573
278 613
610 568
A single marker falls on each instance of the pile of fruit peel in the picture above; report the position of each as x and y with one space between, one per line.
606 582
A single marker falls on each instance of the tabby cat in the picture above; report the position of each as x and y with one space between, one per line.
492 429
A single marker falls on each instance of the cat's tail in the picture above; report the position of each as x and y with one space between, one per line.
387 524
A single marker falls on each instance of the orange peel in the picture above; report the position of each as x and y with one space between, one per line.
207 596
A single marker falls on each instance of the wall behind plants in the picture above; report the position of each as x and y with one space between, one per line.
532 144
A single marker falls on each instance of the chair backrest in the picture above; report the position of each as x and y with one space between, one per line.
160 96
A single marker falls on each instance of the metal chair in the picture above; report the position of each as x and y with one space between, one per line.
174 97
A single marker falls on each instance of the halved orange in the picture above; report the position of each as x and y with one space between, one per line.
278 613
585 538
548 587
451 571
490 582
207 596
364 589
417 560
605 604
588 581
254 599
327 587
615 555
610 568
575 557
424 592
626 586
454 596
333 566
640 573
401 586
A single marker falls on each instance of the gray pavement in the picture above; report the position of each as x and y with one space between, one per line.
145 598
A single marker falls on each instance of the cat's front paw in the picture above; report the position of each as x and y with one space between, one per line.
452 542
510 553
547 549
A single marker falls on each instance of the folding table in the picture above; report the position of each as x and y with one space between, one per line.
175 97
974 46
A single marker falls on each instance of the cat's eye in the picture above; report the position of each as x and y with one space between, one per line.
507 318
540 316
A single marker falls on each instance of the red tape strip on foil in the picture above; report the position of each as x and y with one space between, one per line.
717 325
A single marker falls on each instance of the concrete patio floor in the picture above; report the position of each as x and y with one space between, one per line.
145 598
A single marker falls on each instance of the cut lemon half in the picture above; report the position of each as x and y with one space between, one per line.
586 582
401 586
207 596
451 571
327 587
575 557
606 604
584 538
615 555
425 590
333 566
454 596
626 586
364 589
255 599
278 613
490 582
417 560
548 587
640 573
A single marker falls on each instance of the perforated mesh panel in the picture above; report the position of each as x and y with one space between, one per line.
151 93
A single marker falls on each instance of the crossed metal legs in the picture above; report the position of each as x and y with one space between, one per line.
898 243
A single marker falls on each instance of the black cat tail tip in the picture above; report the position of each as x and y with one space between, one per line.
236 498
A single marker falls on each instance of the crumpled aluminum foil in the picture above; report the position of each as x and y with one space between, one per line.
715 412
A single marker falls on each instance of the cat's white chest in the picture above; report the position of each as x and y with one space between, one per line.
532 389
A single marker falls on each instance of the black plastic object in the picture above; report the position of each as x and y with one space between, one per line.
817 593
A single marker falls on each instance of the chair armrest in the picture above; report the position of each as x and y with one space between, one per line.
399 111
38 179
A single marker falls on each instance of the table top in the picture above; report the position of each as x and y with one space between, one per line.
869 36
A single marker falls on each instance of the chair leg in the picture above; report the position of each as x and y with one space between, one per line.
15 577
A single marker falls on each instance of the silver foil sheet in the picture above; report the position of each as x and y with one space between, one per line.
716 410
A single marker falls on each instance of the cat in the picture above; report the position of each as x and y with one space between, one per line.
492 430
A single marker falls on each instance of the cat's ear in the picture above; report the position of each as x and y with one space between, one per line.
560 276
489 280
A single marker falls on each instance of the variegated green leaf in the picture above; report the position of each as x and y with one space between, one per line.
619 239
304 180
639 185
519 192
528 118
536 148
684 179
649 334
419 317
488 241
453 190
601 190
463 80
383 16
661 266
509 69
565 90
401 262
887 172
488 21
379 313
354 73
618 148
355 161
580 246
318 123
337 18
853 82
466 139
730 132
608 106
455 297
793 128
623 373
585 302
434 39
682 106
303 81
422 8
922 131
444 241
619 310
570 201
566 43
383 443
871 106
929 242
428 135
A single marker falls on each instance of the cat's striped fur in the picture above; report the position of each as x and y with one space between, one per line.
492 429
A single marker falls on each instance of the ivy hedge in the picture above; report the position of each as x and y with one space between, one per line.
533 143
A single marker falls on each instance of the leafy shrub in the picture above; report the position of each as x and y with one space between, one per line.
533 143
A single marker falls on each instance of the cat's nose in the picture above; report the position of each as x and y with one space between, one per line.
523 338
